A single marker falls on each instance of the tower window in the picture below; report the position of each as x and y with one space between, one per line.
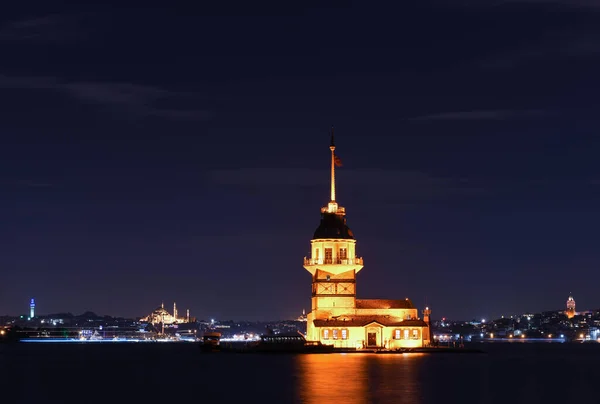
329 256
343 254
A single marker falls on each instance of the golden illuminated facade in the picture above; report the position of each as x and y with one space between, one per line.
337 316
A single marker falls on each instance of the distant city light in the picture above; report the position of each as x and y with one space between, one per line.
483 320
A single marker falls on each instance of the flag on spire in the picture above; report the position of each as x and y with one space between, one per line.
337 160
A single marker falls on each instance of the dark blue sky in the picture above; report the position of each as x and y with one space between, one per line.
181 154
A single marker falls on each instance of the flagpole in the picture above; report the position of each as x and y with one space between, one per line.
332 148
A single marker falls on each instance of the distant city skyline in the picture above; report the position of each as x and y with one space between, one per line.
569 304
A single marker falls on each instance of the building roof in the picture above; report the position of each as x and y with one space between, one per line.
333 226
361 321
383 304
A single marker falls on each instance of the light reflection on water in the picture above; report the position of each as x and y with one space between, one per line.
359 378
165 373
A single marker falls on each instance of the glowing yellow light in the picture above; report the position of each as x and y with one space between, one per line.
510 336
2 332
580 335
522 335
549 335
492 335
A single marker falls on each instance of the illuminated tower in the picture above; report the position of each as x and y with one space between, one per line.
427 320
570 312
333 263
174 312
427 315
32 308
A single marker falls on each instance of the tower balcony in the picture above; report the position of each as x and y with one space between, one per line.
333 261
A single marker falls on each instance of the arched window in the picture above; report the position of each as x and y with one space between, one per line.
325 334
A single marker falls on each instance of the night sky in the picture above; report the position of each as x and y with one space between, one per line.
181 154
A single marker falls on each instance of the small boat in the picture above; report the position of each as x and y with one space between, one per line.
211 341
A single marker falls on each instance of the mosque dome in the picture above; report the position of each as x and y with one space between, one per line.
160 311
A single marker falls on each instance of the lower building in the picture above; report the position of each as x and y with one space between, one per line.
372 323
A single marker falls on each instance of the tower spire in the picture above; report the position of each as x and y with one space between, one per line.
332 148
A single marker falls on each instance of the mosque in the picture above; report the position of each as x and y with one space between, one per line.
160 315
337 317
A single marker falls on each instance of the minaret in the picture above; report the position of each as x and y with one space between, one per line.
174 312
333 263
188 315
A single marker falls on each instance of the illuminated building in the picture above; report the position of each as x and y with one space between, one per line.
337 316
32 308
161 315
570 312
302 317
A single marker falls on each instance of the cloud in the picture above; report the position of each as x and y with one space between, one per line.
564 30
588 4
26 184
395 186
553 45
481 115
47 28
570 3
132 98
